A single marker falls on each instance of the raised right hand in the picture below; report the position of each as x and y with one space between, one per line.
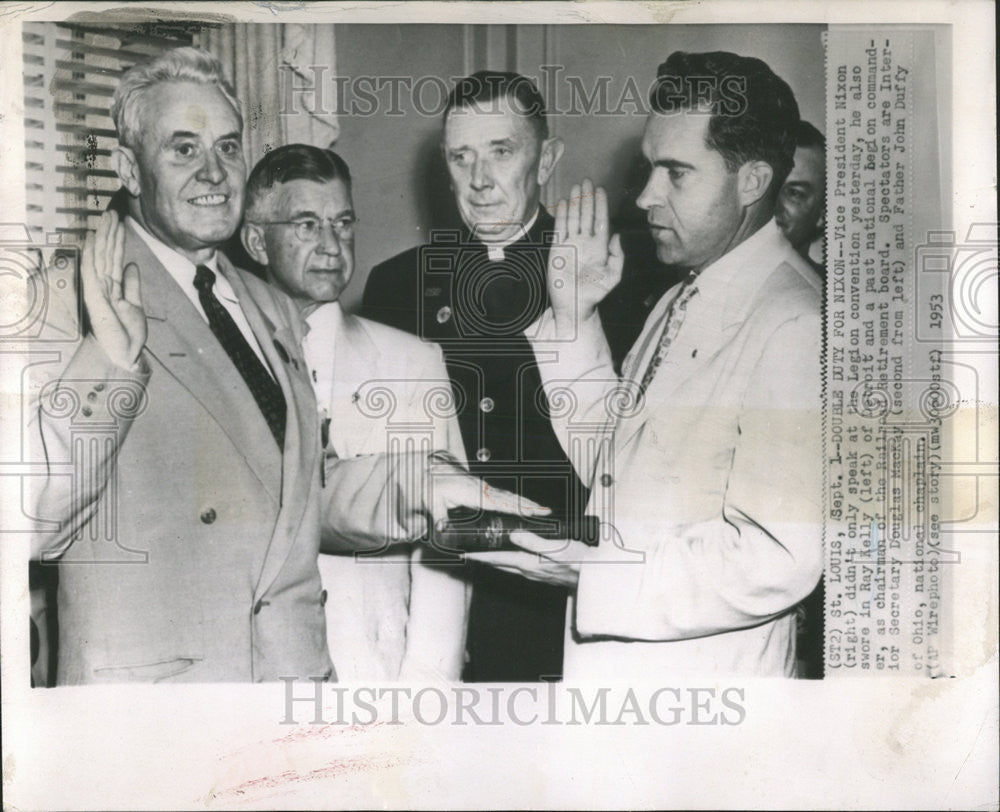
111 293
584 265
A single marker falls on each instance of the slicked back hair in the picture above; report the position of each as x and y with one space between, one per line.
754 115
288 163
490 85
806 135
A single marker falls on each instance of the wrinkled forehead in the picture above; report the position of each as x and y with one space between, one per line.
301 196
484 121
168 107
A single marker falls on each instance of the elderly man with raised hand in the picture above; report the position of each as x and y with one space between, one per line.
179 427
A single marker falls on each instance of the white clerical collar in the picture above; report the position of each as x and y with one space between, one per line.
494 250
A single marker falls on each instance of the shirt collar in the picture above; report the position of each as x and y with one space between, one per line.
180 268
324 322
319 346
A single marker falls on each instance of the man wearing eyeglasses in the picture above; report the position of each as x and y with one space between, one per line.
394 615
186 533
182 495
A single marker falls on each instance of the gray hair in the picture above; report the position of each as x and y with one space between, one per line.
187 64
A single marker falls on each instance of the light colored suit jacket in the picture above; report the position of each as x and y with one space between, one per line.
389 616
187 540
711 484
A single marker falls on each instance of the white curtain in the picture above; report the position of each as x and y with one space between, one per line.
264 61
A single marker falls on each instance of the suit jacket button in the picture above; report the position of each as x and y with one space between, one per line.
322 598
483 455
443 314
607 480
86 411
486 405
98 387
208 516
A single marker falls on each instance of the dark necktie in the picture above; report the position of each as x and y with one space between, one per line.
264 388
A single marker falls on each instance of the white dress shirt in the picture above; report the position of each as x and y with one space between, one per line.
183 271
390 616
319 348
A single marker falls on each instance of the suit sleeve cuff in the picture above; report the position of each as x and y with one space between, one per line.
606 594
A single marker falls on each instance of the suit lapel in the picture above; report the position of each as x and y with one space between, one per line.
299 464
706 328
727 295
356 362
181 340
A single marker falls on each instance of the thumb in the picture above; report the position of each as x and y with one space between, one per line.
616 259
131 290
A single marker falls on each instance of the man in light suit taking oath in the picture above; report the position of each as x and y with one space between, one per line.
183 497
391 616
712 462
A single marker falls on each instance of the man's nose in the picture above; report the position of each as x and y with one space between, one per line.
329 240
212 170
651 194
482 175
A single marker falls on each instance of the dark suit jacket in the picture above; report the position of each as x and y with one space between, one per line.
448 291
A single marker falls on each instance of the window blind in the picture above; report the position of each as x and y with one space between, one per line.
70 74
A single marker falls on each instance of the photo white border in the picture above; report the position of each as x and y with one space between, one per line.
856 743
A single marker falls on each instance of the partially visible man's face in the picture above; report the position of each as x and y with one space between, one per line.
801 205
315 270
191 171
691 199
493 155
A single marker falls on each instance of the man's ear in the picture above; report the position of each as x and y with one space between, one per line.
551 152
754 180
252 237
124 162
821 218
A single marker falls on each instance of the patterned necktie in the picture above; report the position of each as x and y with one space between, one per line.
264 388
672 325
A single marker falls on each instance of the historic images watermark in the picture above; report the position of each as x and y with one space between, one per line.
317 89
315 701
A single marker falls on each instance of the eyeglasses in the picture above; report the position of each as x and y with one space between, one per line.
308 229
